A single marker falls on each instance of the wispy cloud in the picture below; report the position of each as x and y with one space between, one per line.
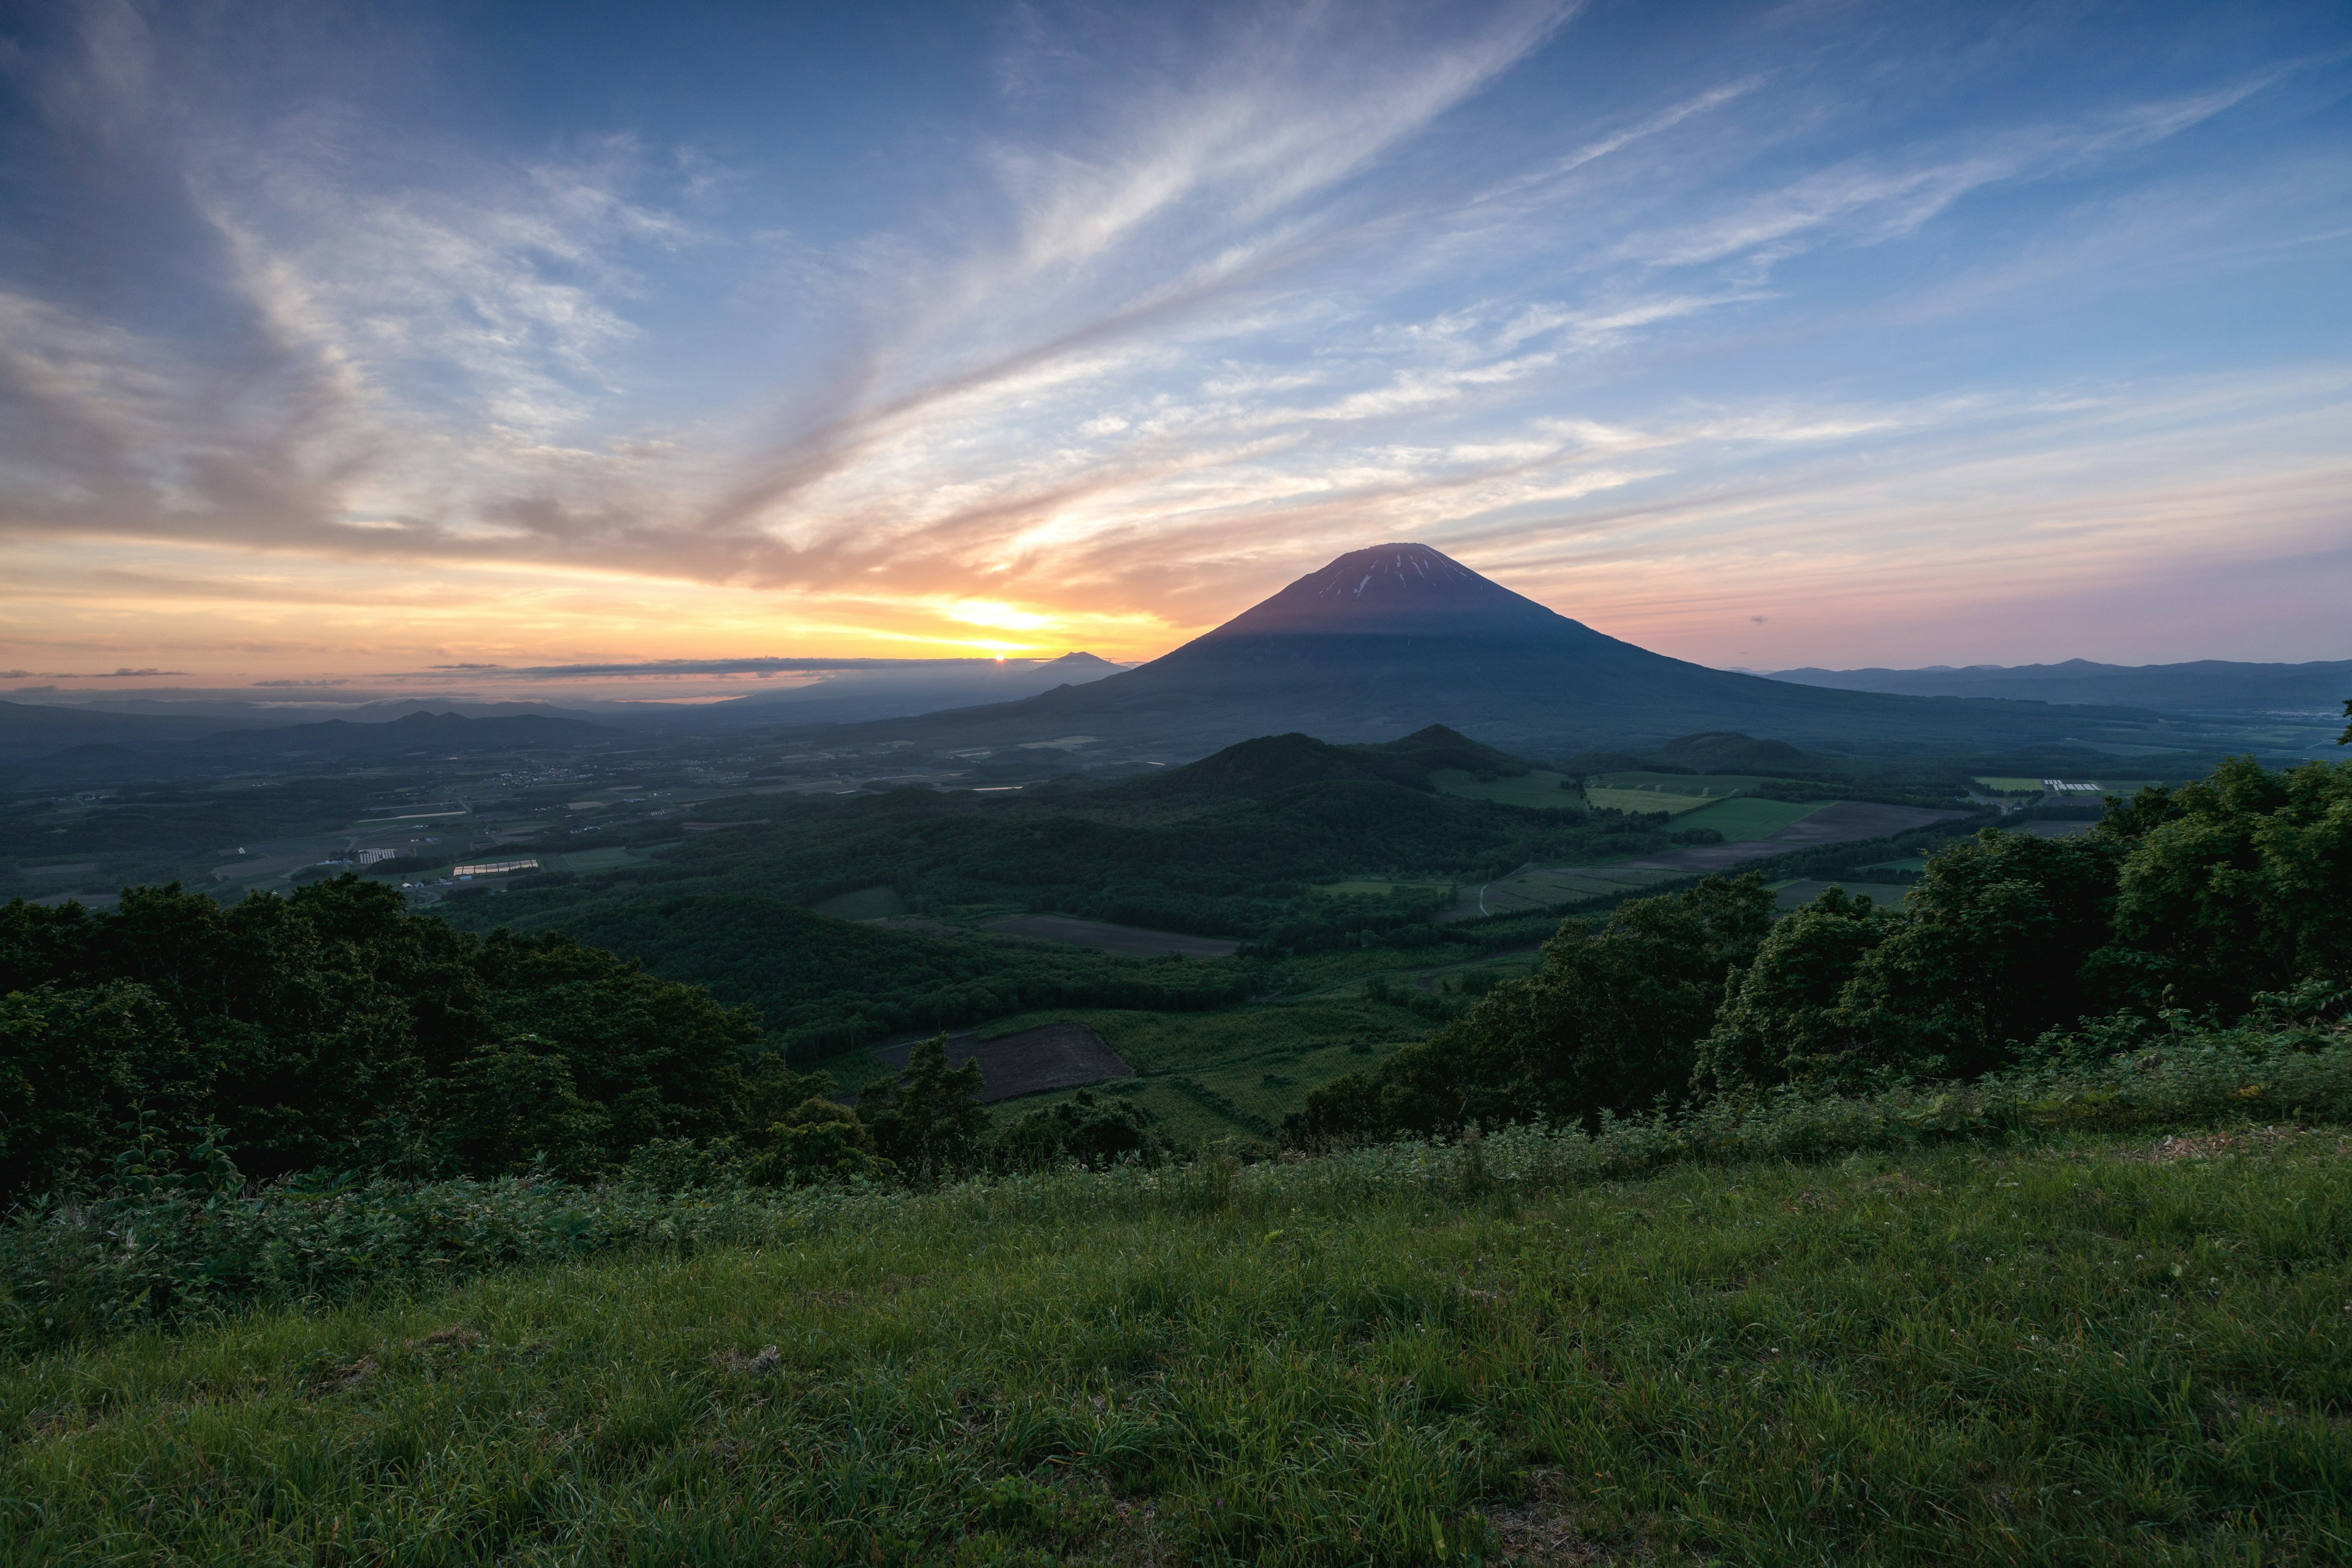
1872 200
1206 303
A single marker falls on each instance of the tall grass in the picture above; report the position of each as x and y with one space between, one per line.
79 1270
2094 1350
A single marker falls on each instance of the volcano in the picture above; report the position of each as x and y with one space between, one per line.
1386 640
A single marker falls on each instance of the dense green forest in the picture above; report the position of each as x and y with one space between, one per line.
335 1031
332 1029
2188 906
824 986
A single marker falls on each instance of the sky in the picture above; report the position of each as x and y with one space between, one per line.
409 342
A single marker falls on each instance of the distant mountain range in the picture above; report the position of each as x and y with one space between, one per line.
886 689
105 739
1380 642
111 746
2204 686
1388 639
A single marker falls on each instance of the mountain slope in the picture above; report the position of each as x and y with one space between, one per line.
1271 764
33 730
1389 639
2206 685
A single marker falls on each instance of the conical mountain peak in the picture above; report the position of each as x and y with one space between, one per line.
1394 589
1400 637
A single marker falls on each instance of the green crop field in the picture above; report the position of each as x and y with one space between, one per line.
2085 1350
1749 818
1544 791
1645 799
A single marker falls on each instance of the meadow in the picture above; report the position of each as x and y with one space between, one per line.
2070 1348
1747 817
1674 803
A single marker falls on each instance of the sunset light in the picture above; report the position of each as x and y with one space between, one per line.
1784 344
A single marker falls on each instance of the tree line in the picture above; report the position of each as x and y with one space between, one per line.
332 1031
2196 904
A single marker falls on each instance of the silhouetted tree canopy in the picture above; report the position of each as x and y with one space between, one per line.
332 1029
2204 897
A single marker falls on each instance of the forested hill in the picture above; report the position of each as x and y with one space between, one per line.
1272 764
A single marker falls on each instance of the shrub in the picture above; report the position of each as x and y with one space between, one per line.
1081 1130
928 1122
1609 1023
334 1029
817 1141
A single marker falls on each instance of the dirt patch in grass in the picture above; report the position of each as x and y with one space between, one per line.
1053 1056
2212 1145
1538 1531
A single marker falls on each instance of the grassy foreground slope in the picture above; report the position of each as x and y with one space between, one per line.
2082 1350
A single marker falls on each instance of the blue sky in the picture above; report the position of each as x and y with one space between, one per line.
343 340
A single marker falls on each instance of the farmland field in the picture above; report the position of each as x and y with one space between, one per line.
1027 1061
1711 786
1836 822
1542 887
1209 1075
1378 887
1645 799
1543 791
1748 818
1103 936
